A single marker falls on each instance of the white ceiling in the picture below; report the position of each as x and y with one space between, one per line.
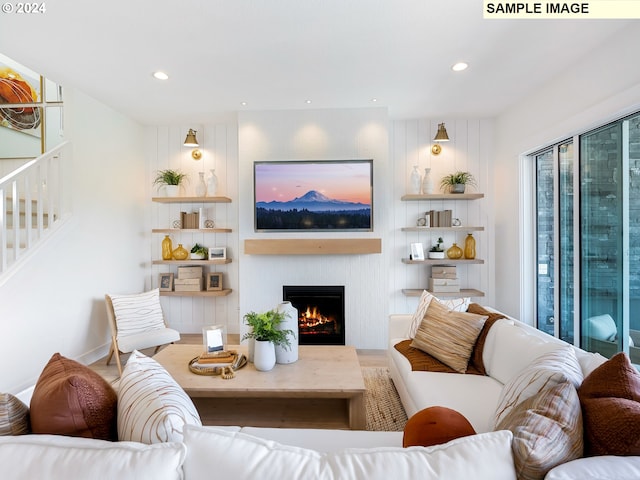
276 54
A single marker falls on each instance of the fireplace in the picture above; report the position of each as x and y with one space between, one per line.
320 312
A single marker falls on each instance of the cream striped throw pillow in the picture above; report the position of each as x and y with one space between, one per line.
14 415
547 370
547 430
456 304
152 407
137 313
449 336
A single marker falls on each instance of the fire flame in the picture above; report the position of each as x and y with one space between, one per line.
313 318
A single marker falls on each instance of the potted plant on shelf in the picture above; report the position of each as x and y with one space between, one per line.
457 182
170 180
266 334
198 252
437 251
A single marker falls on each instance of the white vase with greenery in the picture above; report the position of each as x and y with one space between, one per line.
264 355
170 180
266 327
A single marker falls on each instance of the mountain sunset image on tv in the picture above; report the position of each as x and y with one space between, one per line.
313 195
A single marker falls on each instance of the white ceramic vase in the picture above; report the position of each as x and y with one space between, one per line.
201 187
290 354
427 183
415 181
172 190
264 355
212 183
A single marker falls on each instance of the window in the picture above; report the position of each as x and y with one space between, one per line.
587 230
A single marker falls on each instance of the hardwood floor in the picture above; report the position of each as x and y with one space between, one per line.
367 358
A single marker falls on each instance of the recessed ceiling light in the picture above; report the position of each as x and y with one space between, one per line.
244 104
460 66
160 75
308 102
374 100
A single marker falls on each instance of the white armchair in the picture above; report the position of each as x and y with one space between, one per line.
137 322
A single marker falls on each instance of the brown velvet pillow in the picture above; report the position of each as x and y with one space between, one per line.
434 426
476 356
71 399
610 399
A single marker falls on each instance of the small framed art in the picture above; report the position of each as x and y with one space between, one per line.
217 253
165 282
417 251
213 338
214 281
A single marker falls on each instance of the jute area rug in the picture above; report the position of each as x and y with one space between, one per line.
384 411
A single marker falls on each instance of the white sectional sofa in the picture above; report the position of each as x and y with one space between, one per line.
248 452
511 346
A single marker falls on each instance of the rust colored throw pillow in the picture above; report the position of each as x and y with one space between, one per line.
434 426
476 356
610 399
71 399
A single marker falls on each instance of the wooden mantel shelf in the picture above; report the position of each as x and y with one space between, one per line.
315 246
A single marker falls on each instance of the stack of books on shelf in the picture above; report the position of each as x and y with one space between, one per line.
189 279
439 218
444 279
190 220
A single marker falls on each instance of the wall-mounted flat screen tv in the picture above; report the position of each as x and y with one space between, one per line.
318 195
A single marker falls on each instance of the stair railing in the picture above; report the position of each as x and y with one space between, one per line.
32 206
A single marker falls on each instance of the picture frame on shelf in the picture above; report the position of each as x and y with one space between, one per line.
217 253
417 251
165 282
214 281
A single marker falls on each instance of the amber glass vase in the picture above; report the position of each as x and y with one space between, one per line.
167 248
470 247
454 251
180 253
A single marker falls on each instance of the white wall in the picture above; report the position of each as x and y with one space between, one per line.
469 149
373 282
319 135
219 146
55 303
601 87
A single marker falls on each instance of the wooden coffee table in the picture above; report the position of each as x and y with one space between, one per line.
323 389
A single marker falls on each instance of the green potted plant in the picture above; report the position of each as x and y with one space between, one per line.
437 251
266 334
198 252
457 182
170 180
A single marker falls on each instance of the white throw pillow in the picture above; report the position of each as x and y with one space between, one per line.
137 313
454 304
548 370
26 457
597 468
602 327
152 407
483 456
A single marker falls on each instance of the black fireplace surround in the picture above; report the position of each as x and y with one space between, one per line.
320 313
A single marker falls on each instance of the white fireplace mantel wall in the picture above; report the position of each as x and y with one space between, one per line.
373 282
318 135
